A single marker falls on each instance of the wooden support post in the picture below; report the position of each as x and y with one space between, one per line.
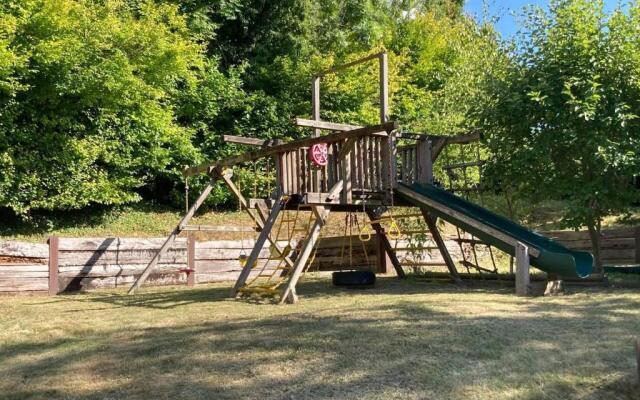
257 248
384 88
53 265
425 164
344 157
393 167
191 260
637 244
174 234
432 224
384 261
315 103
388 248
522 269
289 294
386 161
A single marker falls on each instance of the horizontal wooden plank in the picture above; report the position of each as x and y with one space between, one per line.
116 244
606 243
226 254
218 228
18 285
251 141
23 274
331 126
350 64
339 241
118 257
231 244
14 248
332 267
24 267
584 235
618 254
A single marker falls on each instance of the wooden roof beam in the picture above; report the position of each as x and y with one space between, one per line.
330 126
351 64
457 139
250 141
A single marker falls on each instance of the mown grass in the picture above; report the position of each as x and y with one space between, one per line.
402 339
141 220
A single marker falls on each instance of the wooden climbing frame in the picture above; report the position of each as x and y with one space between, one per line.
364 166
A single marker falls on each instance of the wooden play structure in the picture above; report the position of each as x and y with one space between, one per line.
352 169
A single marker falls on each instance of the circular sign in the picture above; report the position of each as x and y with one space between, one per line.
318 154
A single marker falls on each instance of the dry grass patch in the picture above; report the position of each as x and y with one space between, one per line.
410 340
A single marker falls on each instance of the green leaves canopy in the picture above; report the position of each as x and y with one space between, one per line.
564 123
86 93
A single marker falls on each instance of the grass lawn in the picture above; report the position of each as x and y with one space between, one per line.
403 339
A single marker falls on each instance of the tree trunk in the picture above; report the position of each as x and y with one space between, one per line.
594 234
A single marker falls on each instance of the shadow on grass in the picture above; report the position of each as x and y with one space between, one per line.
174 297
160 300
400 349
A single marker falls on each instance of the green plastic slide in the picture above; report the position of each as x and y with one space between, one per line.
500 232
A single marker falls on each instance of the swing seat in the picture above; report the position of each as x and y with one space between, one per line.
353 278
243 261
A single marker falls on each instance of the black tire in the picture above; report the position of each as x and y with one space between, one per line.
353 278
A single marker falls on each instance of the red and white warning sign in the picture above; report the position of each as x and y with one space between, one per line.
318 154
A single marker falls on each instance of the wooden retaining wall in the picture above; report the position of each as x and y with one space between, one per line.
24 267
67 264
619 246
87 263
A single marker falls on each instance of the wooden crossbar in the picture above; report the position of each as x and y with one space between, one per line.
351 64
249 141
216 228
331 126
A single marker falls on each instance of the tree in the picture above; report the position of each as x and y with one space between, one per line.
563 123
86 100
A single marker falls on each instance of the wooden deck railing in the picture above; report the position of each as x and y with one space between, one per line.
366 171
362 162
415 160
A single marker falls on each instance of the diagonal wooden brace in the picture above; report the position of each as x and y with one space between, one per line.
322 212
385 243
433 227
176 231
257 248
289 294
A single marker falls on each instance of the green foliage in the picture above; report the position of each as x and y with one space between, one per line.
87 98
563 118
